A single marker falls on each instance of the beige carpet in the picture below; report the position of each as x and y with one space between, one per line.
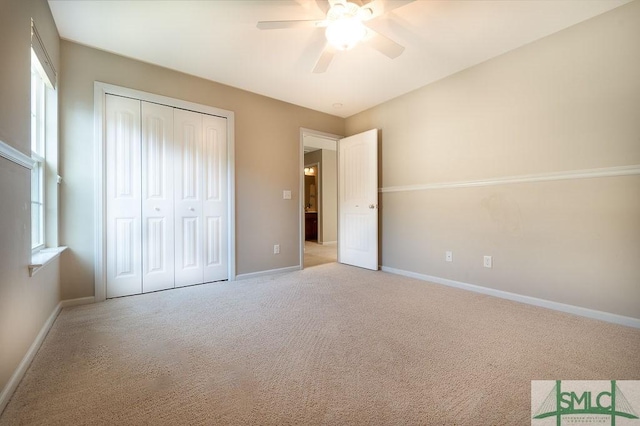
330 345
317 254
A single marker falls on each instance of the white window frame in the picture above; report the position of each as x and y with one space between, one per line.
44 156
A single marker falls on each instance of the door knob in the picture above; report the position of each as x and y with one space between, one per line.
372 206
191 208
157 209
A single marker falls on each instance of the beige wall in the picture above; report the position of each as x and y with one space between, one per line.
25 303
267 152
567 102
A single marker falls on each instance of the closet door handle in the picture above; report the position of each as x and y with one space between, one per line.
192 209
157 209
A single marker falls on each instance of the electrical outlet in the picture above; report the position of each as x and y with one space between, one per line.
276 249
448 256
488 262
286 194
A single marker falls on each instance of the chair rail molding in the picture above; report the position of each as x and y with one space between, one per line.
615 171
15 156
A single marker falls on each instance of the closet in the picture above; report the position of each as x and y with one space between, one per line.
166 197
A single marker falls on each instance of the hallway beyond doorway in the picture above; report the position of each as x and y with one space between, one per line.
317 254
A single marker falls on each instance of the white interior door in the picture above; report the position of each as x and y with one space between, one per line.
123 197
157 198
216 230
358 200
188 198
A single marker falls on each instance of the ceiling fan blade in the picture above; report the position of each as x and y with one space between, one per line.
324 60
279 25
384 45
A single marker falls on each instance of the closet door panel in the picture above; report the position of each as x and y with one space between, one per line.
215 211
123 196
188 198
157 198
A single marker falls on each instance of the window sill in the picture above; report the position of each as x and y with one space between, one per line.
43 257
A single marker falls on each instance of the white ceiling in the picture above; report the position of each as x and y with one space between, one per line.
218 40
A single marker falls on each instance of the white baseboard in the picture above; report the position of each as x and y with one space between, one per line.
15 379
576 310
267 272
79 301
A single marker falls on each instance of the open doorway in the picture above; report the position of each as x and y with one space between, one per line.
319 198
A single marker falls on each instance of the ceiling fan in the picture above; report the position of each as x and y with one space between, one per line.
345 26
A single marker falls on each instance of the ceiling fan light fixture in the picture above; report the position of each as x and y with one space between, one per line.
344 33
345 28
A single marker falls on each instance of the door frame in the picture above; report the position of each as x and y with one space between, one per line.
100 91
304 131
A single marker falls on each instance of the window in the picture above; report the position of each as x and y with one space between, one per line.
38 153
44 153
44 147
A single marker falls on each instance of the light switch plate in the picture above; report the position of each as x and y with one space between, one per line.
286 195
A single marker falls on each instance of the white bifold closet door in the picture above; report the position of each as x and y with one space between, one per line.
123 213
215 204
167 220
157 198
188 198
200 198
